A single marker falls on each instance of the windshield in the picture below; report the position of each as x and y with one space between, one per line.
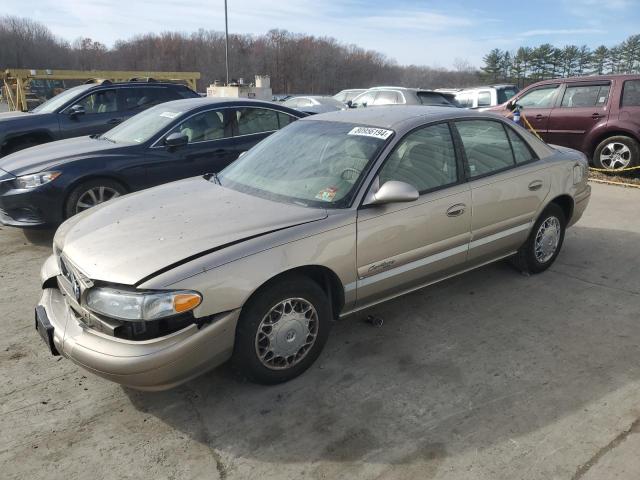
435 99
311 163
143 126
59 100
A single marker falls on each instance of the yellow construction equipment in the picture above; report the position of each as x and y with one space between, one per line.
15 82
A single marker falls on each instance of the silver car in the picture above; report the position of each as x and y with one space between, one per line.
330 215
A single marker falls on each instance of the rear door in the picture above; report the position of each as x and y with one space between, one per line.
101 113
403 245
584 106
630 104
252 124
209 149
537 104
508 185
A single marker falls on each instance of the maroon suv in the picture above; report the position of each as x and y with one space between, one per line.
599 116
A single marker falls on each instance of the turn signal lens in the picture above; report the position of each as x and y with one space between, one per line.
183 302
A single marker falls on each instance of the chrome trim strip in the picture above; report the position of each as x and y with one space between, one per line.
499 235
363 282
423 285
413 265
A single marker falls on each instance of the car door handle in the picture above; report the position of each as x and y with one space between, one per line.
596 116
535 185
219 151
456 210
540 116
114 121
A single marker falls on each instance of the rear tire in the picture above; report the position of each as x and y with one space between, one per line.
544 243
276 325
91 193
616 153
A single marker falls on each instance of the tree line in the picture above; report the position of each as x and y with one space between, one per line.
297 63
531 64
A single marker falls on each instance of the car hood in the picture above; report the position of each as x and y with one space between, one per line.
48 155
136 236
12 115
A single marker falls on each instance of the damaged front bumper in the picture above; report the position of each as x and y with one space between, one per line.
155 364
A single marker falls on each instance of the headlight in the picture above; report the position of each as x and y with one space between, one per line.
33 181
140 306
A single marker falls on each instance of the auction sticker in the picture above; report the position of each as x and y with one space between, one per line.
381 133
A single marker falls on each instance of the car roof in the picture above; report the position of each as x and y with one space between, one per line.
108 84
191 103
589 78
393 116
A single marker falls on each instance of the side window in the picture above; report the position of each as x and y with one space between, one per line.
631 93
256 120
425 158
577 96
365 99
486 146
103 101
285 119
386 97
203 127
142 97
521 151
539 98
484 99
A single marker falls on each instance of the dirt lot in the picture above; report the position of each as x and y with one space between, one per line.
492 375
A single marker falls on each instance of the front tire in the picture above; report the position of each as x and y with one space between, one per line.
617 153
91 193
281 331
544 243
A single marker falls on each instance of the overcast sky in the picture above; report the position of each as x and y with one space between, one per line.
412 32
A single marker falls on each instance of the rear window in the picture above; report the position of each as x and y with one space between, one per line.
577 96
433 99
631 93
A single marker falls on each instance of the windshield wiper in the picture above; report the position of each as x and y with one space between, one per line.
214 175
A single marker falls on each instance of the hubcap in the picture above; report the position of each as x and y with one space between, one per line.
547 239
95 196
615 156
286 333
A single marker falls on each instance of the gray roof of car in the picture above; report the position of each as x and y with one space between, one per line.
395 116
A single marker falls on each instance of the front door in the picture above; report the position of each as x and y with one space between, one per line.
536 106
584 106
404 245
210 148
508 186
101 113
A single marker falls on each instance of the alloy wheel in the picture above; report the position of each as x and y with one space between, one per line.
615 156
95 196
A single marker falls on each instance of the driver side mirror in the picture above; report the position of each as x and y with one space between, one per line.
393 191
512 105
349 104
176 139
76 110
